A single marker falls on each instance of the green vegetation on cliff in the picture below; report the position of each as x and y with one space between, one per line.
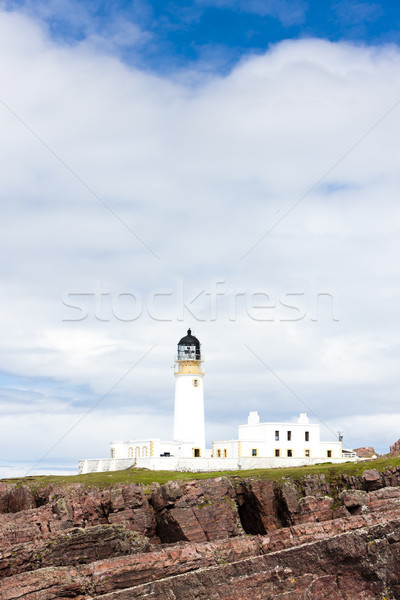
146 477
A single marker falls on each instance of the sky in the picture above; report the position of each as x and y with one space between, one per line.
223 165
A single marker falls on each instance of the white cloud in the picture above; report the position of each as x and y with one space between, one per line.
200 174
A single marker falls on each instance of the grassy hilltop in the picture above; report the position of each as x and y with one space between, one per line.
146 477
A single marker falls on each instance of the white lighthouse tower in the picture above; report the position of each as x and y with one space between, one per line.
189 395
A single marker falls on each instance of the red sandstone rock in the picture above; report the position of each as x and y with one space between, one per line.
352 552
391 477
71 547
354 500
395 449
127 505
14 499
27 526
21 498
357 566
312 508
315 486
257 505
196 511
46 584
365 452
287 497
383 499
5 490
372 480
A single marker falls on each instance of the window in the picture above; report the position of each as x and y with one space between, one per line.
277 436
329 453
254 451
196 452
112 452
225 453
144 451
137 452
195 383
307 453
307 436
130 452
218 453
277 452
290 453
289 436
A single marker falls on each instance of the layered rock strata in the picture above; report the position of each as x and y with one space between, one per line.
225 538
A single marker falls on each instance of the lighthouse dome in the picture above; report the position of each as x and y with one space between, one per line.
189 347
189 340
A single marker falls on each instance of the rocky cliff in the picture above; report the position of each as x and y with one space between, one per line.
223 538
395 449
365 452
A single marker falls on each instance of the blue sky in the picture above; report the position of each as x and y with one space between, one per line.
213 34
205 164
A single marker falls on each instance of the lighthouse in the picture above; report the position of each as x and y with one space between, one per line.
189 395
258 445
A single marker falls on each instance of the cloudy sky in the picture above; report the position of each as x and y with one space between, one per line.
227 165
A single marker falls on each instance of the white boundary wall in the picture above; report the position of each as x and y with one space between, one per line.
99 465
199 465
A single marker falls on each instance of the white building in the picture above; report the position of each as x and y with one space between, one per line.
299 440
259 445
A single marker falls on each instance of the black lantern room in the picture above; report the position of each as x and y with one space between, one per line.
189 347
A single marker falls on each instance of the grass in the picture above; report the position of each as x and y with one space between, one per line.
146 477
